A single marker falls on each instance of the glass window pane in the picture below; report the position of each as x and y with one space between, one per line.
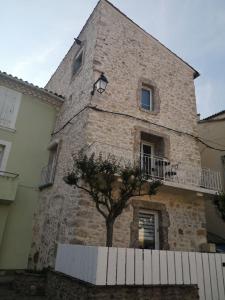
146 230
77 63
146 99
2 148
147 149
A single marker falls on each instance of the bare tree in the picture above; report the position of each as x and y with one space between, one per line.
110 185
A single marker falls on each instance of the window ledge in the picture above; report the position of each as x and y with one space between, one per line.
152 112
13 130
44 186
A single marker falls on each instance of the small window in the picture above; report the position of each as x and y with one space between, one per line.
9 107
48 172
5 147
146 99
2 150
77 63
148 234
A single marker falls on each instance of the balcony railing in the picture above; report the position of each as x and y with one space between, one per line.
163 169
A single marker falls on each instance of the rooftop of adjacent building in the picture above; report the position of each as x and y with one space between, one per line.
196 73
215 117
16 80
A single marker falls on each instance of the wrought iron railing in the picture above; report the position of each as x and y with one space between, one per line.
163 169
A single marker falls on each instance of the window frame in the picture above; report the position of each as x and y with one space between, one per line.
79 53
51 165
151 103
52 161
145 83
5 156
156 223
16 107
143 143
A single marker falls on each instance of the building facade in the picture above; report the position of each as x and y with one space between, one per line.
27 117
148 110
211 130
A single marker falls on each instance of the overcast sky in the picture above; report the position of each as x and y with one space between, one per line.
36 34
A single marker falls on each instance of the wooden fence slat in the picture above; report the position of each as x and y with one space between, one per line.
155 267
91 264
87 263
171 267
78 257
147 267
178 268
121 265
219 271
213 275
130 266
138 266
111 273
59 262
200 275
223 268
163 267
101 267
193 269
126 266
206 272
186 268
72 259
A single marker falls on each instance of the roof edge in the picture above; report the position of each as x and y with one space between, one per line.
214 115
82 29
51 94
195 73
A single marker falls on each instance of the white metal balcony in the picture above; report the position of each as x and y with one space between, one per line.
180 173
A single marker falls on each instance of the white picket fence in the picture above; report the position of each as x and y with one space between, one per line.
127 266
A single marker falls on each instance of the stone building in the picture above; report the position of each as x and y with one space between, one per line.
148 108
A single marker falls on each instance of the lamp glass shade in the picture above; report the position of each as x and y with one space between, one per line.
101 84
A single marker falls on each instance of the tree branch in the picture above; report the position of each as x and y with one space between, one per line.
83 188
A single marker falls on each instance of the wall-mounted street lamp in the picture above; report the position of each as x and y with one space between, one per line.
100 84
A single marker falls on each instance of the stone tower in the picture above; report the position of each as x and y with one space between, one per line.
139 69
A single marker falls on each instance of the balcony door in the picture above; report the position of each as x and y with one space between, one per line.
147 152
148 234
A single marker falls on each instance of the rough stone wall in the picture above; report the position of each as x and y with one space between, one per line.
128 56
61 287
186 230
55 217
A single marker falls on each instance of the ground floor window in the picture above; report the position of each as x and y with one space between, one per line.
149 227
148 233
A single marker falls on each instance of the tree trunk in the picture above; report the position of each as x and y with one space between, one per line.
109 230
